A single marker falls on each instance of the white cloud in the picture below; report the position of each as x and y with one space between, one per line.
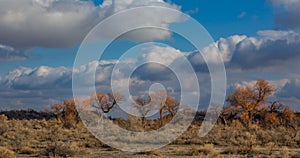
8 53
291 89
42 77
288 36
270 51
33 85
271 54
275 51
45 23
248 84
278 84
64 23
223 47
158 54
36 86
242 15
287 13
284 2
228 45
290 93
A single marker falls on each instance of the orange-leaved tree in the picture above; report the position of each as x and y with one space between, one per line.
66 113
249 99
165 103
71 114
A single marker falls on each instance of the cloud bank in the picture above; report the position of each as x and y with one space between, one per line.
8 53
64 23
35 86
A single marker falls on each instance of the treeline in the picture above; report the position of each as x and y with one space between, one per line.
249 105
29 114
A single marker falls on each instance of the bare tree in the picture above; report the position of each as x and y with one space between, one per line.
104 103
144 106
58 110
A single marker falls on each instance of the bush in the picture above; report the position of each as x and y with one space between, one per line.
66 113
61 149
6 153
207 149
3 124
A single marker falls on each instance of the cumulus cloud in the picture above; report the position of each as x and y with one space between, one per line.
64 23
41 86
269 50
33 88
271 54
36 85
287 13
45 85
289 92
276 51
291 89
159 54
278 84
42 77
158 61
223 47
8 53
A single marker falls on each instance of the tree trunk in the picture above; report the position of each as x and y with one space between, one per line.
161 116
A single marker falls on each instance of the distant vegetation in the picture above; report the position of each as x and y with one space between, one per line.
29 114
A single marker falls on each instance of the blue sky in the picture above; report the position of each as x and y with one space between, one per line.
257 39
223 18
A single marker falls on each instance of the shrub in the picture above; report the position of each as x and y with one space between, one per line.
66 113
3 124
288 116
61 149
206 149
6 153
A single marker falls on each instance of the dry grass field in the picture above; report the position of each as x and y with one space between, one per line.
50 138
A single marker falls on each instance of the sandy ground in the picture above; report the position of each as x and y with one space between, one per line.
182 151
